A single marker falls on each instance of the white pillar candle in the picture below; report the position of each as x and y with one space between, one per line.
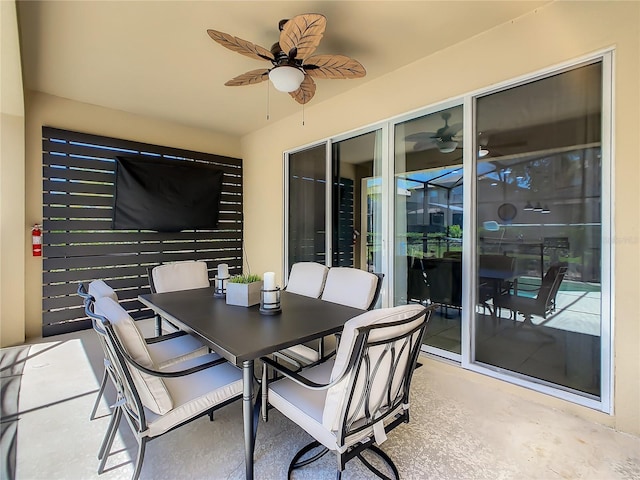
269 284
223 272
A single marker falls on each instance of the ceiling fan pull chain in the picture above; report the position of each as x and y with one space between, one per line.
268 89
303 114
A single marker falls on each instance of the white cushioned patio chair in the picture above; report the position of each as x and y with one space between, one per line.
155 401
346 286
307 278
352 287
175 276
352 401
165 350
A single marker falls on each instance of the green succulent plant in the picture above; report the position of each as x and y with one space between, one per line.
246 278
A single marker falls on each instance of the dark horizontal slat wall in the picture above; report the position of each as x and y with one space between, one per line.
78 243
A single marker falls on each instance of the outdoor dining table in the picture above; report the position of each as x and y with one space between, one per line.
243 334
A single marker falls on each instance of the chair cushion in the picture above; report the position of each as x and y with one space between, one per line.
185 275
302 353
337 394
175 350
350 286
307 278
152 390
99 289
303 405
196 393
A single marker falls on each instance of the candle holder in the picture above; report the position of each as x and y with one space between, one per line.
270 301
220 290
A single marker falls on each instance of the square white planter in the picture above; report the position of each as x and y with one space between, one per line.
244 294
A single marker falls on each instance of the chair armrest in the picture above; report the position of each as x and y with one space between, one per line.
167 336
526 287
164 373
296 377
188 371
290 359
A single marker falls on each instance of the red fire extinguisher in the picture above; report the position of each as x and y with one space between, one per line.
36 240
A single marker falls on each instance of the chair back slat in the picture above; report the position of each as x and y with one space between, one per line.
126 390
550 285
152 389
379 384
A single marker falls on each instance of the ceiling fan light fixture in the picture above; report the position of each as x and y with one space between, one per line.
286 78
482 152
447 147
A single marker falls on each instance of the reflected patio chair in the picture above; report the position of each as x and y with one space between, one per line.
175 276
496 277
351 402
417 282
444 277
542 304
165 350
155 401
346 286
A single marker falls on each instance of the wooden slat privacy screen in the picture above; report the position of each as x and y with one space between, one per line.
79 245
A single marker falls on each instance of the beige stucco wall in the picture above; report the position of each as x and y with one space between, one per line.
12 227
558 33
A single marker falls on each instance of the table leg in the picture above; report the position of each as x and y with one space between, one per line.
247 416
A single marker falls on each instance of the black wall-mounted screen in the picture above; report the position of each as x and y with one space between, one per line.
165 195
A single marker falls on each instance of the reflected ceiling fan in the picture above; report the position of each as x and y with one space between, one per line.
291 57
497 143
444 139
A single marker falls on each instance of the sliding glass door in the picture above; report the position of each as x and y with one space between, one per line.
539 212
352 222
493 206
357 206
306 215
428 221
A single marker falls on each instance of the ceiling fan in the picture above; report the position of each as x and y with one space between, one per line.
291 57
444 139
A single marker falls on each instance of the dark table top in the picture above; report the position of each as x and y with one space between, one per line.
243 333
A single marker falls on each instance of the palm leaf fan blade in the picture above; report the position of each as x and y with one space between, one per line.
306 91
303 33
249 78
451 130
420 137
427 145
241 46
334 67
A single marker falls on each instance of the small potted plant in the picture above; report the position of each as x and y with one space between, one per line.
244 290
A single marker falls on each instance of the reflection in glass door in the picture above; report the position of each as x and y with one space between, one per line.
428 221
355 217
307 184
539 203
357 207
